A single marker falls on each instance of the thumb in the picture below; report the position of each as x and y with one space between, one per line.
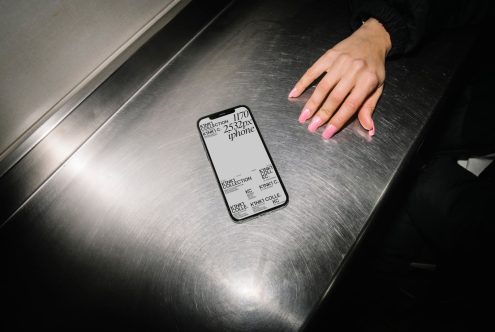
367 110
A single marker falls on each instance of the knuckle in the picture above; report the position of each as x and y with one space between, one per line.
358 63
339 119
310 72
325 112
367 109
343 58
303 83
371 78
336 98
324 85
338 122
352 104
333 52
330 53
312 104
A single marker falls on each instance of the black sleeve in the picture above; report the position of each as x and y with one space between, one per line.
405 20
408 21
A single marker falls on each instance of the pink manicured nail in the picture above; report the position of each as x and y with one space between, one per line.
315 123
330 130
371 132
293 93
305 114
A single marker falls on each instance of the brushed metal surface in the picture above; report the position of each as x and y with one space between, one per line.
22 179
132 231
53 54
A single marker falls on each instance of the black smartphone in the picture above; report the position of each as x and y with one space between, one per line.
246 174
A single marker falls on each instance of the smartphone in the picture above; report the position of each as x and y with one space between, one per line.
246 174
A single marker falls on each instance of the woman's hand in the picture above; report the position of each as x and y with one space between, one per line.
355 72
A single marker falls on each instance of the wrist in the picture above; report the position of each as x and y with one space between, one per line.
379 33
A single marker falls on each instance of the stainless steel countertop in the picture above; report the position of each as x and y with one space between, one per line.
54 53
132 226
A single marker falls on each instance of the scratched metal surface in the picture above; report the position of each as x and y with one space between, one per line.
133 230
53 53
19 182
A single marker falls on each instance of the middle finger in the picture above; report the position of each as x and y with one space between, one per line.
333 101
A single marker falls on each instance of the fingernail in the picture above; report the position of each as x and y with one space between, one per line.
330 130
293 93
371 131
304 115
315 123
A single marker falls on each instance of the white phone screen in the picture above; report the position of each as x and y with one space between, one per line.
244 169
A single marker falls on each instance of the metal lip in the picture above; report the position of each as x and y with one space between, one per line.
60 110
25 175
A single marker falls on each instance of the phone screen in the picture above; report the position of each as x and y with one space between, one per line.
244 169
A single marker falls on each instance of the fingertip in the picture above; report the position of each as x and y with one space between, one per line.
314 124
368 124
294 93
329 131
371 131
365 120
305 115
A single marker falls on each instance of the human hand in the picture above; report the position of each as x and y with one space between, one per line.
355 73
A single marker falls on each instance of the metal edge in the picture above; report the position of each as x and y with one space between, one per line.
8 211
42 127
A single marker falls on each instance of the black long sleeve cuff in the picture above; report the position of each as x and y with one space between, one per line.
391 19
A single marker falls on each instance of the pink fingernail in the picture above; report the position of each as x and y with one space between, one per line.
330 130
371 132
315 123
293 93
305 114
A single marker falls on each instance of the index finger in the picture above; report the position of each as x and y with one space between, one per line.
319 67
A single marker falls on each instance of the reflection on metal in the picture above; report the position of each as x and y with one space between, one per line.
53 54
132 230
29 173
